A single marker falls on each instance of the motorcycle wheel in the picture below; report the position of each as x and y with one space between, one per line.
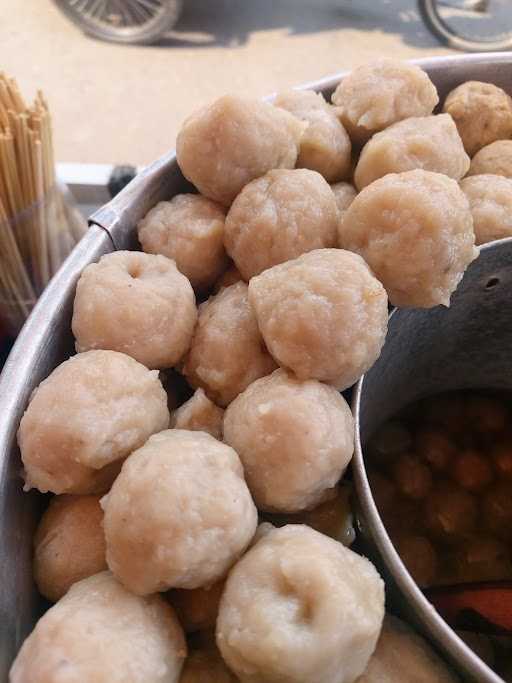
431 15
128 21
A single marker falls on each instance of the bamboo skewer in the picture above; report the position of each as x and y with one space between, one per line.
37 228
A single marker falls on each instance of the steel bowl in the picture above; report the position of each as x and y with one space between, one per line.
427 351
46 340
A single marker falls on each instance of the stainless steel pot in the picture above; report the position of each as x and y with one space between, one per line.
428 351
46 340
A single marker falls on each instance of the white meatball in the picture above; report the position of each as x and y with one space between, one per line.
323 315
279 217
482 113
89 414
227 144
415 231
344 195
199 414
136 303
402 656
100 632
495 158
69 544
325 146
490 201
227 352
190 230
295 438
375 95
428 142
179 514
300 607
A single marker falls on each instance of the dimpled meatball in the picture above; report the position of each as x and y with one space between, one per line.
225 145
89 414
482 113
279 217
136 303
323 315
199 414
402 656
190 230
428 142
100 632
179 514
197 609
415 231
294 438
284 617
490 201
227 352
495 158
325 146
375 95
69 544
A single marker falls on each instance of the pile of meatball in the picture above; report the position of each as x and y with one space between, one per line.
224 516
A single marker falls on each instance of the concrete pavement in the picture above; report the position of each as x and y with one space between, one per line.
114 103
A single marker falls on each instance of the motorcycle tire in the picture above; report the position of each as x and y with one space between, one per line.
156 17
429 11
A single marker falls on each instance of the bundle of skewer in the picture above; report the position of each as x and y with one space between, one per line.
37 226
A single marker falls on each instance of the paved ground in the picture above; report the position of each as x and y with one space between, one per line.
125 104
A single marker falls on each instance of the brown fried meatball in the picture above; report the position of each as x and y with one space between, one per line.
436 448
189 229
234 140
227 351
199 414
179 514
412 477
472 470
278 217
419 556
295 439
482 113
325 146
415 231
284 617
136 303
85 418
482 558
490 201
497 509
322 315
450 512
495 158
344 195
375 95
101 632
431 143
